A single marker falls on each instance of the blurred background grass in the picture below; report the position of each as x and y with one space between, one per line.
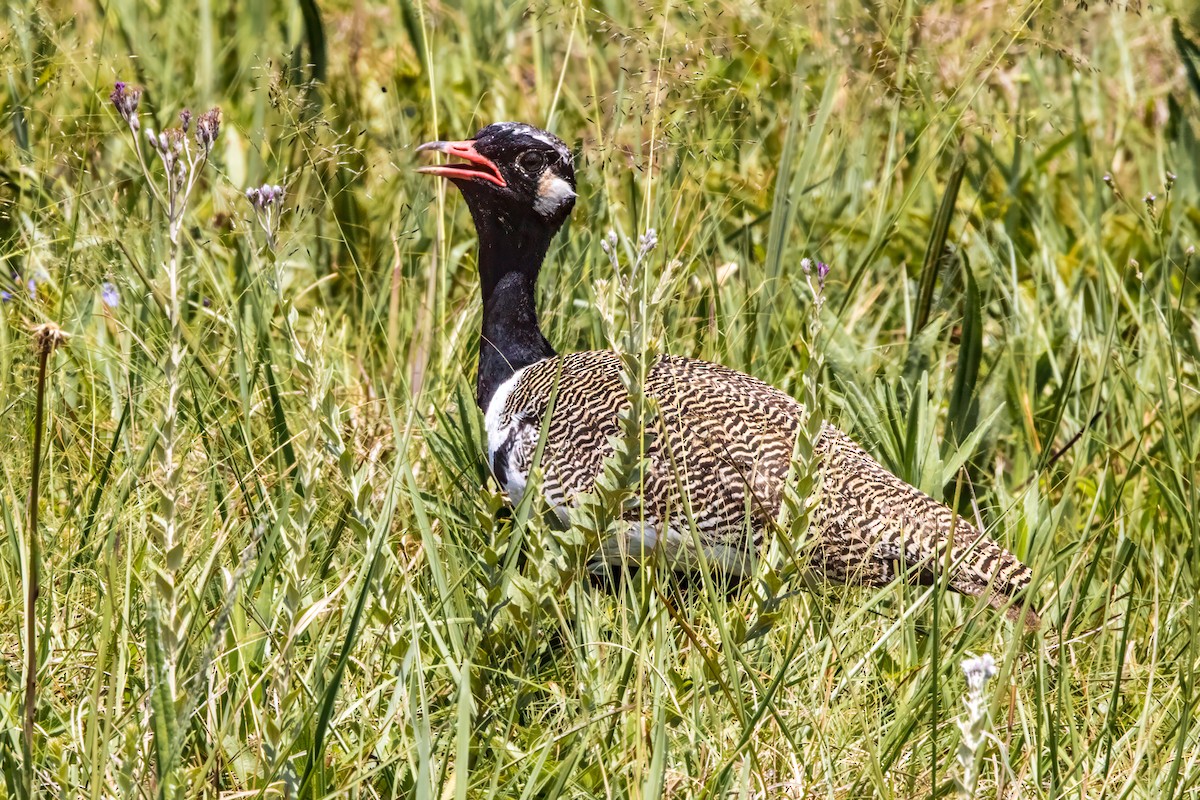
352 613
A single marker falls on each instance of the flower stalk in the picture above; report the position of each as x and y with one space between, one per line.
182 162
46 338
627 306
315 446
786 557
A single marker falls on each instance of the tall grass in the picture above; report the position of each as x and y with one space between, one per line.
1006 193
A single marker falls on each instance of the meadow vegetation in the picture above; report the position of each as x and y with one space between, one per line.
255 551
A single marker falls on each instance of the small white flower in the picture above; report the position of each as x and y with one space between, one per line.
979 670
648 241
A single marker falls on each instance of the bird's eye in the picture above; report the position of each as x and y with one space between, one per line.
532 161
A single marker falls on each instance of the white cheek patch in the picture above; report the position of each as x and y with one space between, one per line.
553 191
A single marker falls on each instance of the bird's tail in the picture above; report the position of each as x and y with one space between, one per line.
979 567
873 509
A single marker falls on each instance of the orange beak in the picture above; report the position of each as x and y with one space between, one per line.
476 166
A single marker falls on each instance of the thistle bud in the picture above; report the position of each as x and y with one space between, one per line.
125 100
208 125
822 273
649 241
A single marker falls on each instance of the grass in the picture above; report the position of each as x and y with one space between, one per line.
269 559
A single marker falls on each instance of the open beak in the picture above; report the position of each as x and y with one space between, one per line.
476 167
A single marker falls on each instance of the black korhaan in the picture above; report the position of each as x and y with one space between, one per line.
725 438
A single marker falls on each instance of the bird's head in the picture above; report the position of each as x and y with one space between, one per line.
511 172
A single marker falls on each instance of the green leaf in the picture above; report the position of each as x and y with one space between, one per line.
970 354
937 244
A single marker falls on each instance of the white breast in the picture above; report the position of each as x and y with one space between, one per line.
499 426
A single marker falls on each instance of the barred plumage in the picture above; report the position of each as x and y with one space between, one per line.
722 441
726 439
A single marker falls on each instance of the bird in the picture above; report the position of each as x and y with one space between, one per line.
725 439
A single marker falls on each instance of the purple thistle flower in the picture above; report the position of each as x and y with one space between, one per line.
109 294
822 273
125 100
265 196
820 267
208 125
169 146
185 119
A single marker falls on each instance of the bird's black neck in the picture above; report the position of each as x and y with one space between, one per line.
510 257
